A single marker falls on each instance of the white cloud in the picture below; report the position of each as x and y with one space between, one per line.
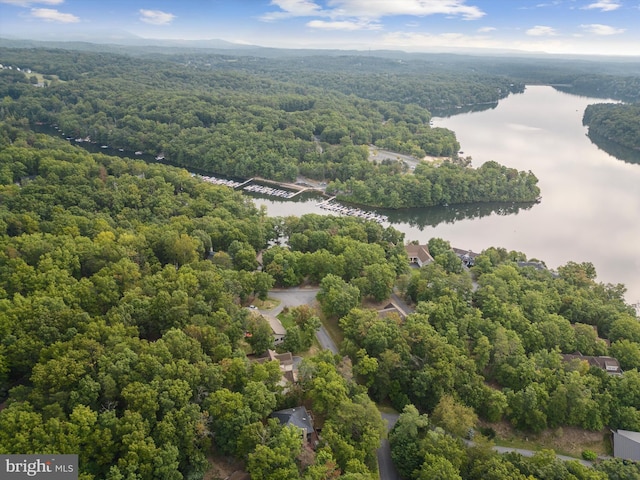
486 29
541 31
603 5
343 25
599 29
52 15
293 8
555 3
28 3
368 10
156 17
420 8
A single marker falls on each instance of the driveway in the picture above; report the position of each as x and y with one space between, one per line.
293 297
296 296
386 468
531 453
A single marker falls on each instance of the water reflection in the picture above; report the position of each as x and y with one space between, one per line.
614 149
419 218
476 107
434 216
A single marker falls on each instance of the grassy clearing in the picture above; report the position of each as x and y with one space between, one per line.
568 441
333 329
41 78
267 304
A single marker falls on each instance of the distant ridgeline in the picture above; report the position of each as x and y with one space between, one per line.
617 123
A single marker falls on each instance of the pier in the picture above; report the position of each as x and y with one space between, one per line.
351 211
222 181
274 192
249 186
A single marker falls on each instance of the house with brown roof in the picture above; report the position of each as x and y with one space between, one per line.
277 328
287 367
391 309
607 364
418 254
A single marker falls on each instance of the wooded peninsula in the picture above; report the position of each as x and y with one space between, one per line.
245 124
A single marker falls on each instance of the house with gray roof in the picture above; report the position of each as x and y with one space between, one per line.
607 364
277 328
300 418
626 445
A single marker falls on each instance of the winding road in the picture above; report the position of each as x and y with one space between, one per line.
296 296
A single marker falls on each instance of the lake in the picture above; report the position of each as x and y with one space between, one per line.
590 205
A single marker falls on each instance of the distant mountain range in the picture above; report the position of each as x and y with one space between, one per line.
125 42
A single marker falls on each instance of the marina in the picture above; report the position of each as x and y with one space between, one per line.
328 204
274 192
220 181
334 207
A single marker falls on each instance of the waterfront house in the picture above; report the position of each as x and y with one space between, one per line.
467 257
418 254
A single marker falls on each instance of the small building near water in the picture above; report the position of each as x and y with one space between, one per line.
418 254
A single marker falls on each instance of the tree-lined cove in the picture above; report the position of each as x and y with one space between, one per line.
124 337
588 210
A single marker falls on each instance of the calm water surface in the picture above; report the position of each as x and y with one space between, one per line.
590 204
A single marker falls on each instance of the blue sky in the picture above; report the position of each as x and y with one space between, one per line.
608 27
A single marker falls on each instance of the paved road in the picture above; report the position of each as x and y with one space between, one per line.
531 453
294 297
326 342
386 468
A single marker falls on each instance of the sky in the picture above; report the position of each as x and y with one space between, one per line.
601 27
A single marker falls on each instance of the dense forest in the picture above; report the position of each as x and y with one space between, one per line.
624 88
617 123
124 339
248 124
126 328
440 185
124 336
